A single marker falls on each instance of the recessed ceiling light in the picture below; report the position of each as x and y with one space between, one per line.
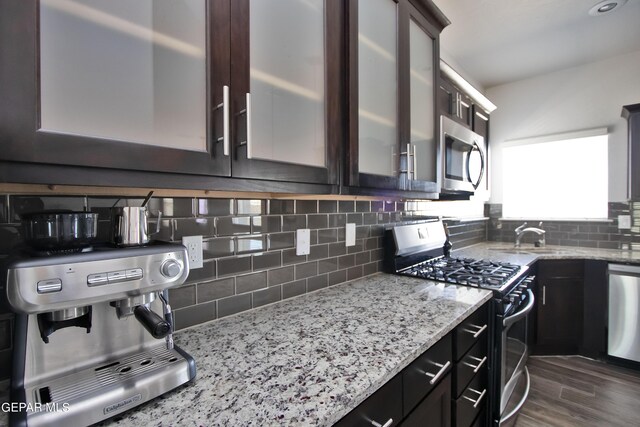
606 6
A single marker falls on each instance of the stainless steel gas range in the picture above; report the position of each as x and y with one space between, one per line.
422 250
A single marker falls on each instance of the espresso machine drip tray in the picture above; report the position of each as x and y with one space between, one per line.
112 388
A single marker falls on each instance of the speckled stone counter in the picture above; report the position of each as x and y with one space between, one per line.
308 360
527 254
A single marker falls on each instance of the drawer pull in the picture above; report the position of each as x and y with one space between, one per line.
435 377
387 424
477 367
477 333
479 399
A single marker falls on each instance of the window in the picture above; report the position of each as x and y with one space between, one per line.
559 177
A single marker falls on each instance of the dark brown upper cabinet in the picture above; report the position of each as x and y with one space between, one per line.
455 104
393 63
286 110
163 87
632 114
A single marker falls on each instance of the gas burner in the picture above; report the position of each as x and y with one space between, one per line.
465 271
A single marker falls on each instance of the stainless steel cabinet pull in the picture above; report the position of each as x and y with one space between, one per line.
544 295
477 333
387 424
479 399
409 172
435 377
225 120
477 367
249 136
415 163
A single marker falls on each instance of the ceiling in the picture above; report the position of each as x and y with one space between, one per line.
500 41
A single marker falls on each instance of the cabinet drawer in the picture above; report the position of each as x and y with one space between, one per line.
472 401
382 406
469 331
560 268
423 374
435 409
470 364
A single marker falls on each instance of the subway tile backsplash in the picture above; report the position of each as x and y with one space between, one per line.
592 234
249 246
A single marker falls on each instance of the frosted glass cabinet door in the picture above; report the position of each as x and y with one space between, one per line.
287 81
133 71
422 94
377 87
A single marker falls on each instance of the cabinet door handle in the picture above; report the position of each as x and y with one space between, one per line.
477 333
415 163
435 377
225 120
409 171
477 367
387 424
544 295
479 399
249 135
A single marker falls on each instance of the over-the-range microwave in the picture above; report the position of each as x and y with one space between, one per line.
462 158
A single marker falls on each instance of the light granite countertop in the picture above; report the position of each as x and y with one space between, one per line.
527 254
308 360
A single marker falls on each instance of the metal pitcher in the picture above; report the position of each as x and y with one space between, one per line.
130 225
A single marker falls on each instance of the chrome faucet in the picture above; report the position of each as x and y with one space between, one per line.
523 229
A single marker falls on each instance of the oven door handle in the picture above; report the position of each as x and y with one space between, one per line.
508 321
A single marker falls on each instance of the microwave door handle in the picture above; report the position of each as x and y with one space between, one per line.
475 146
508 321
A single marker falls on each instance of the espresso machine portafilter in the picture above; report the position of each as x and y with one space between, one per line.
94 332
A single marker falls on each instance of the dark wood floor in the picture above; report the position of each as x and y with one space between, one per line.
574 391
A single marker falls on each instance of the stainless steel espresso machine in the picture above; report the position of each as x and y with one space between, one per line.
93 332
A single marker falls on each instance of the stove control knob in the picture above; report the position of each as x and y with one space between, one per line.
171 268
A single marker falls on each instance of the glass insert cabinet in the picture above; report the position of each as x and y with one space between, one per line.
305 91
393 72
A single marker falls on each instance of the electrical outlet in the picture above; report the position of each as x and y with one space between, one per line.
194 250
303 240
624 222
350 234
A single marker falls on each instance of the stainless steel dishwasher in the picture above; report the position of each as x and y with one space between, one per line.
624 311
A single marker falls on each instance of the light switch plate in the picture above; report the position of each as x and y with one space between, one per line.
303 239
624 222
350 234
194 251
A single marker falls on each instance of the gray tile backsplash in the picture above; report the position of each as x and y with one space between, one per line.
592 234
249 245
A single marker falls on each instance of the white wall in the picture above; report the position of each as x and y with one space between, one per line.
579 98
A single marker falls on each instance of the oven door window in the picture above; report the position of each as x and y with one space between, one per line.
514 348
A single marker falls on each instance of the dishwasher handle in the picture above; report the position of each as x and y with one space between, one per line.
624 270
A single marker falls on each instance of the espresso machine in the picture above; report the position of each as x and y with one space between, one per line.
93 331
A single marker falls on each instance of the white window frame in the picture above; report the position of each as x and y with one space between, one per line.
546 139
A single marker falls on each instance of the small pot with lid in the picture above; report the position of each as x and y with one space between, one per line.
59 229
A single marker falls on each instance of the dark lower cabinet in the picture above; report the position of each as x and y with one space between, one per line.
437 389
560 313
435 409
382 406
472 400
419 378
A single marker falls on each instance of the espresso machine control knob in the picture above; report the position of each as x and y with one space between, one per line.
171 268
